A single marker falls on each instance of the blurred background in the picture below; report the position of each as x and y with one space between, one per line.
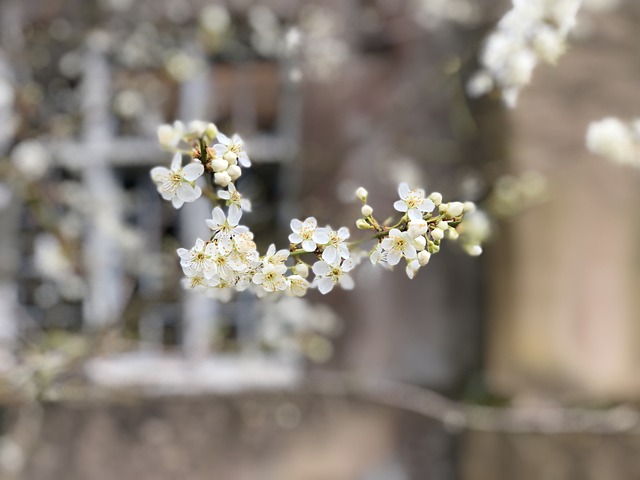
522 363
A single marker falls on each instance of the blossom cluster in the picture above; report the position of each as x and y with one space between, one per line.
616 140
229 261
532 31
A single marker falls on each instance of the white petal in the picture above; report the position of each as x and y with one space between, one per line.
235 213
296 225
403 190
309 245
176 162
410 251
177 202
415 215
330 254
310 223
224 194
346 282
159 174
394 257
295 238
320 236
258 278
271 250
321 268
343 233
187 193
348 265
223 139
427 206
192 171
218 216
400 206
244 160
325 285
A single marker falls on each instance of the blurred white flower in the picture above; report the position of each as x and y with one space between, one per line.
31 159
615 140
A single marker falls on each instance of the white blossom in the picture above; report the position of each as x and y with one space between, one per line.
297 286
531 31
397 245
31 159
199 259
308 234
177 184
271 277
170 136
417 225
330 274
615 140
232 149
412 200
233 197
275 257
336 247
223 227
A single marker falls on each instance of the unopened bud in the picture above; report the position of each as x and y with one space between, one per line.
456 209
443 207
222 178
212 131
442 225
196 128
436 198
421 241
301 269
453 234
234 172
474 250
362 193
230 157
363 224
424 257
366 210
469 207
219 165
437 234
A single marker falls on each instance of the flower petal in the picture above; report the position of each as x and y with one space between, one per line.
400 206
346 282
330 254
176 162
321 268
325 285
235 213
403 190
295 238
296 225
192 171
394 257
309 245
320 236
159 174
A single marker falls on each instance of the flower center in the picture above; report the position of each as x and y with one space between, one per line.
174 180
